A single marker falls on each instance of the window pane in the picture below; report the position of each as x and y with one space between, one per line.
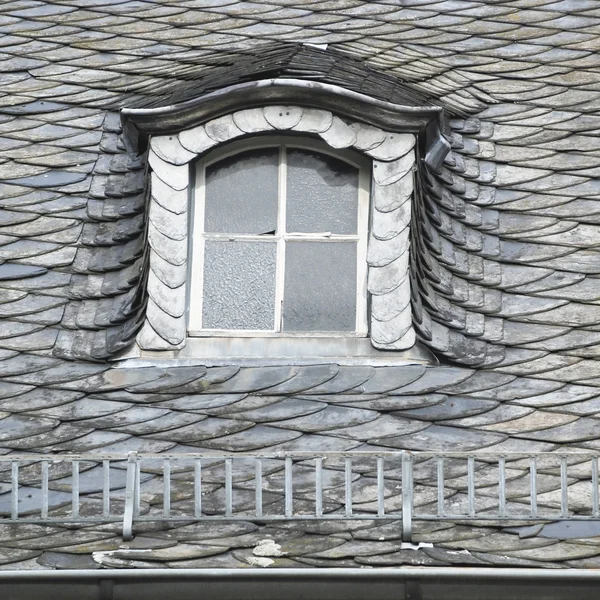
239 285
241 193
322 193
320 286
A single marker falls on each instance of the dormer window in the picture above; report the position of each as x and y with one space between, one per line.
280 233
279 241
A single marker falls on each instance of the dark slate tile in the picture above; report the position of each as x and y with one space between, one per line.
41 370
382 428
258 437
438 438
454 558
497 542
9 390
273 411
578 431
500 414
564 530
220 561
520 388
202 431
451 408
164 421
433 378
306 378
409 557
356 548
10 556
37 398
385 379
331 417
63 433
24 363
214 375
560 551
14 427
62 560
499 560
387 402
51 179
30 499
174 377
90 441
251 379
63 538
347 379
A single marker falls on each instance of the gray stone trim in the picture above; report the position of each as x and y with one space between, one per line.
393 157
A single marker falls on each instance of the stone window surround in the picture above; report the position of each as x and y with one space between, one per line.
393 162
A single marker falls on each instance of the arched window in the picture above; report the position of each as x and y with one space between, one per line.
266 245
279 241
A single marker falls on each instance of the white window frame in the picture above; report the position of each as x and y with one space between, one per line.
165 329
199 237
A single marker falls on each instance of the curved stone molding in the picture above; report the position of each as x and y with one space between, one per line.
393 162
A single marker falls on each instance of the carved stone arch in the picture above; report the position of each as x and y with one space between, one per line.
393 161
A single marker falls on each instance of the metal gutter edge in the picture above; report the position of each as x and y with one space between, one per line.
410 583
400 573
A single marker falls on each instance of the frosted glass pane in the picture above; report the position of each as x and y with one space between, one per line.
320 286
322 193
241 193
239 285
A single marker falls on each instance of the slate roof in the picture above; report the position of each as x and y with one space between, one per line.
505 261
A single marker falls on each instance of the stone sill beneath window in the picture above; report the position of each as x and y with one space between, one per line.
266 351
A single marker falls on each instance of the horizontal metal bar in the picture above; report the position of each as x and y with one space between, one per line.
98 458
265 518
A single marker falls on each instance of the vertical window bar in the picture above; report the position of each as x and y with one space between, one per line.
75 489
595 509
533 478
288 487
258 485
380 487
318 487
228 487
197 487
564 490
166 487
348 486
471 485
105 488
502 485
364 197
14 490
44 512
281 227
440 486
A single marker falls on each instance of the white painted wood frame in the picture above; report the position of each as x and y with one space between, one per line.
387 253
199 237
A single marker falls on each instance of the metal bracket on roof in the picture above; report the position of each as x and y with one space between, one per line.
130 496
407 496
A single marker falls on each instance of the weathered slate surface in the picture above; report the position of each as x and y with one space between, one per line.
503 281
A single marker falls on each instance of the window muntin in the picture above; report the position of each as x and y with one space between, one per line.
266 214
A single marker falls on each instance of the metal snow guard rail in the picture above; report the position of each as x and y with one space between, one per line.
43 487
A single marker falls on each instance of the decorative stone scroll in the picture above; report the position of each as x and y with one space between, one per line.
388 246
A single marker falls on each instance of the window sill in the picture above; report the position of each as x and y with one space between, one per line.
261 351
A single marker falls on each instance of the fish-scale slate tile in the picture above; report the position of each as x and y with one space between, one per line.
503 252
